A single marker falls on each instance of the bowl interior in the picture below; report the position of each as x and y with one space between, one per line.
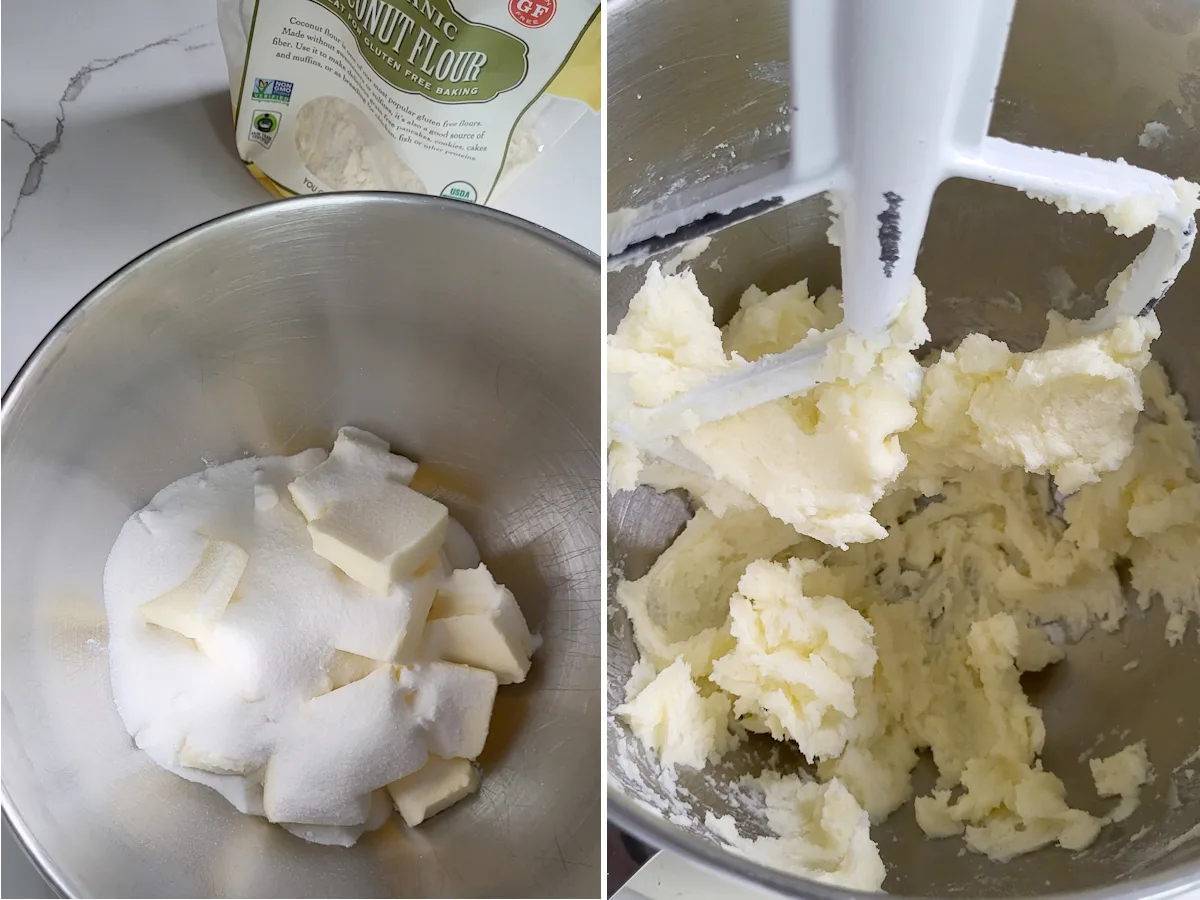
465 338
1082 77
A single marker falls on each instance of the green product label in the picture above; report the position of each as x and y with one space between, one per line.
426 47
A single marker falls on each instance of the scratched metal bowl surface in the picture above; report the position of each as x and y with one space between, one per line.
699 87
465 337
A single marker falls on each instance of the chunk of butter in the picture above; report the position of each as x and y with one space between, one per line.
380 810
454 706
347 668
389 628
194 607
358 458
380 539
477 622
1122 775
437 786
671 716
281 803
361 515
195 754
341 746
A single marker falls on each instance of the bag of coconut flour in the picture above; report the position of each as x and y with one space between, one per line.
447 97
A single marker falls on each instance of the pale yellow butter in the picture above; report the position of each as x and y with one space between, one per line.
1122 775
453 705
681 607
796 659
361 515
357 456
347 668
1067 409
345 744
671 716
194 607
380 539
390 627
477 622
220 751
821 833
816 461
975 577
435 787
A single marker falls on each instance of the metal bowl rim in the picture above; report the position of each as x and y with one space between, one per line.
36 359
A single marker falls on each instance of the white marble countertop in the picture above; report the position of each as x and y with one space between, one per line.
117 135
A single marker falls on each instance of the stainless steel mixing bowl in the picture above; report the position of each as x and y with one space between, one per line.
697 87
469 340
